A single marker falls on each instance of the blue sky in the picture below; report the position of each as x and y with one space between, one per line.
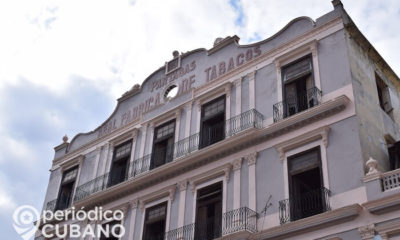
64 63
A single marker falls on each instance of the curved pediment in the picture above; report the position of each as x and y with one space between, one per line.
188 71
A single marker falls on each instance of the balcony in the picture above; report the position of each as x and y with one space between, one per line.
292 105
238 220
304 205
390 180
242 219
183 233
182 148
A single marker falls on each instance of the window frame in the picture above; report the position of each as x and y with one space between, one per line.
156 140
74 185
126 157
202 119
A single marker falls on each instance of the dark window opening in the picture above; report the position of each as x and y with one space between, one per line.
120 163
66 189
163 145
384 96
394 156
110 226
209 212
154 225
212 122
307 196
298 87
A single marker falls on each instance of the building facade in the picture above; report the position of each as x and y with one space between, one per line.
293 137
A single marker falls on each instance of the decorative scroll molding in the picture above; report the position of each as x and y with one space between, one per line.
134 203
182 185
224 170
319 133
367 232
251 75
237 164
251 158
238 82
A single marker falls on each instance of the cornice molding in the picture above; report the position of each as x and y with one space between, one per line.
223 170
309 224
384 204
74 162
237 164
165 192
319 133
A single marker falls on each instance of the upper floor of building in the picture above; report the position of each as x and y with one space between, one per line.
233 101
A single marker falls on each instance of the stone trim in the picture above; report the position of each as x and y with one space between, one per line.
383 205
206 176
320 133
165 192
251 158
310 224
367 232
237 164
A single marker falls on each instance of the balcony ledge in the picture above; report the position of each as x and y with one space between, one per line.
242 234
310 224
384 204
213 152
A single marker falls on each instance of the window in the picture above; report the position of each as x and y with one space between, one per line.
155 220
120 163
163 144
66 189
299 92
383 95
212 122
108 229
209 212
307 196
394 156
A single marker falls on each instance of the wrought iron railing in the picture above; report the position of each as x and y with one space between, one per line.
249 119
391 180
297 103
187 145
183 233
304 205
242 219
93 186
139 166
